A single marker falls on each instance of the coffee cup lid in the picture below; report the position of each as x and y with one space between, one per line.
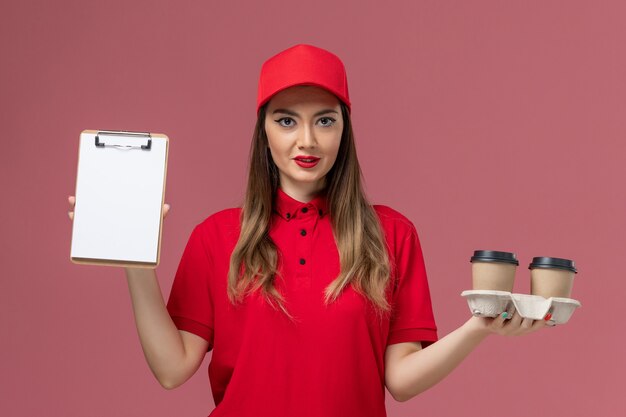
547 262
494 256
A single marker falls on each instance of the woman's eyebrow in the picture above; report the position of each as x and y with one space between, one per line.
319 113
285 111
292 113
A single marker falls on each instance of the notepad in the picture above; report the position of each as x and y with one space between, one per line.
120 190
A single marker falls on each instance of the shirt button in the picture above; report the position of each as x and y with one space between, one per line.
305 209
288 215
302 261
321 212
303 232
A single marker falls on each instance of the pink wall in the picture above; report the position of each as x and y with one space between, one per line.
491 124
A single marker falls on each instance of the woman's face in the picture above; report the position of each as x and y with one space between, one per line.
303 126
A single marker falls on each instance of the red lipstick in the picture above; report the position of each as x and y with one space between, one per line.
306 161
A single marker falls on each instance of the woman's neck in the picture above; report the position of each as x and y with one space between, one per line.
301 193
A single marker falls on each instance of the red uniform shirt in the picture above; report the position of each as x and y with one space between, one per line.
330 362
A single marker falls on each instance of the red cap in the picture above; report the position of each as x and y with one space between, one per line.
303 65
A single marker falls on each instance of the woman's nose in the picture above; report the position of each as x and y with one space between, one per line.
306 139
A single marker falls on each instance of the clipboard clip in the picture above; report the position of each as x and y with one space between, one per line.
146 147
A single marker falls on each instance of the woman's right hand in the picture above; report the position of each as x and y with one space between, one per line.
72 200
173 355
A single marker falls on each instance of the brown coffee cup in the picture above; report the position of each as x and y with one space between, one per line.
493 270
552 277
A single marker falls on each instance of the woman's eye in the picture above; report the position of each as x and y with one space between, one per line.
327 121
285 121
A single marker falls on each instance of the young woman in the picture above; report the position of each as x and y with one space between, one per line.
311 299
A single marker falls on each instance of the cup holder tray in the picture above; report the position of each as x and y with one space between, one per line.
486 303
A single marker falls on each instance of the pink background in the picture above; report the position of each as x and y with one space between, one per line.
490 124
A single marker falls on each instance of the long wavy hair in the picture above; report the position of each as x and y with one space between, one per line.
363 256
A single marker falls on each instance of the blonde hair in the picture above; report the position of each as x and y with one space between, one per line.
360 240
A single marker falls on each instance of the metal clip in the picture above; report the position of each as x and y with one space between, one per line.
146 147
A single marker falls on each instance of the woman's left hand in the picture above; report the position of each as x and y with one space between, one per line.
515 326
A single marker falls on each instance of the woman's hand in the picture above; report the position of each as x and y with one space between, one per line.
411 373
173 355
515 326
72 200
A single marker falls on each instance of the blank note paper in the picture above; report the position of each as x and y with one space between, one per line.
120 190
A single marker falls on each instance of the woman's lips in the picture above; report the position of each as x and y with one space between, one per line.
306 161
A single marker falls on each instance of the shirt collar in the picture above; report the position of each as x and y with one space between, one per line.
288 207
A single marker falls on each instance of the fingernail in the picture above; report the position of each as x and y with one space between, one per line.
505 315
548 317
